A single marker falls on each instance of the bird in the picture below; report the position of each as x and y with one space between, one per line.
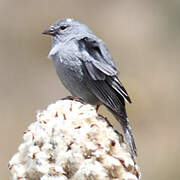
86 68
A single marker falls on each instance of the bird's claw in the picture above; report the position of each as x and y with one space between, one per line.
74 98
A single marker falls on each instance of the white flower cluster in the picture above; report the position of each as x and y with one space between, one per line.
70 140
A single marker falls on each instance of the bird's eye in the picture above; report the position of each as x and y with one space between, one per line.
63 27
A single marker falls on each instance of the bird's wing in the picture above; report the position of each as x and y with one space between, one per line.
100 57
102 73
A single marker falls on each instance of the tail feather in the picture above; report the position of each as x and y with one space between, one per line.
128 134
121 116
130 139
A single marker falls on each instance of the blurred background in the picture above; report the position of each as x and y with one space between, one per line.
144 39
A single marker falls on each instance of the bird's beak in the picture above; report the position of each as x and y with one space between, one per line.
50 31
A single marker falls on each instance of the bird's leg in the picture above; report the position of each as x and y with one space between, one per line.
97 107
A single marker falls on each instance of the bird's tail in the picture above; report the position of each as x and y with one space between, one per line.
128 133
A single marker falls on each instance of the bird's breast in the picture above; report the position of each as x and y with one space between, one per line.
69 69
72 77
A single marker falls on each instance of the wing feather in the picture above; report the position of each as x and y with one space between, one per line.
102 73
107 95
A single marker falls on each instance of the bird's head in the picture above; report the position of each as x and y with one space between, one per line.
66 29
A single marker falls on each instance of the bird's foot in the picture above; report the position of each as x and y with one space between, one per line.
74 98
97 107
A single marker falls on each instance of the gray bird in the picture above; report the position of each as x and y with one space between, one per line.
87 70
